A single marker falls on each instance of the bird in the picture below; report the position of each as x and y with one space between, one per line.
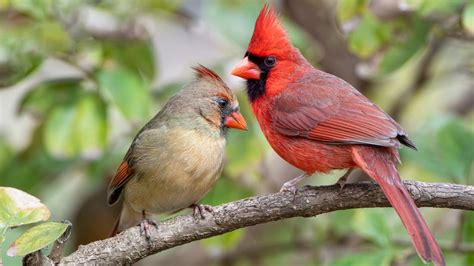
318 123
176 158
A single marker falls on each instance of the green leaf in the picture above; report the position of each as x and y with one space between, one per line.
78 126
468 18
372 224
19 208
379 257
17 64
6 153
446 149
53 37
338 221
468 233
38 9
91 125
346 9
417 33
36 238
368 37
226 190
41 99
225 15
136 56
437 7
127 91
59 132
224 242
456 148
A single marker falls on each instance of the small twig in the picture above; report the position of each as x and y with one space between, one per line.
58 246
36 259
466 102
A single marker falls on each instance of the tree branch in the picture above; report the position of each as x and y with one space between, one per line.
317 18
420 77
130 246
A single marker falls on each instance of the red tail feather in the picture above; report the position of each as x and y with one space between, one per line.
380 165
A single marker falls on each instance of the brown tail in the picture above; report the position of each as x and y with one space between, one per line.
379 163
127 218
115 229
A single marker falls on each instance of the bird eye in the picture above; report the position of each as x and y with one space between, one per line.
270 61
222 102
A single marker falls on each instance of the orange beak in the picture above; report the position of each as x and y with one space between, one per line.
236 120
246 69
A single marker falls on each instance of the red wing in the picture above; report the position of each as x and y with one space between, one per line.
328 109
124 173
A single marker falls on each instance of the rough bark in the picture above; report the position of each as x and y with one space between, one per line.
130 246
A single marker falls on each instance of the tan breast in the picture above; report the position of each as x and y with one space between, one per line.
177 168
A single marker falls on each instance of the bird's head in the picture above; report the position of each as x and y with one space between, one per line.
215 102
269 51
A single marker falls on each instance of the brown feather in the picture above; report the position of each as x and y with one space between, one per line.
123 174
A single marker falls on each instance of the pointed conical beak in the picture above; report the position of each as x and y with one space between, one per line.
246 69
235 120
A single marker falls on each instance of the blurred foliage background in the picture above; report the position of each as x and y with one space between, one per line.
79 78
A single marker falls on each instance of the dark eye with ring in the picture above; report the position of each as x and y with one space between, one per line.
222 102
270 61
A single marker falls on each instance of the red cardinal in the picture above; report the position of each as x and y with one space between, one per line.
318 122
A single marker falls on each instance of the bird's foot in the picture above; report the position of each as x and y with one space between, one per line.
289 187
342 181
200 209
145 224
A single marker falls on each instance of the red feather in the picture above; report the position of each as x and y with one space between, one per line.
379 164
204 72
267 24
332 112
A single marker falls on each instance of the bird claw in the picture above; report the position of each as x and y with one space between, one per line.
342 181
200 209
145 224
289 188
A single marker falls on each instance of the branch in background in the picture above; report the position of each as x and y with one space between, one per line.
419 79
130 246
317 18
466 104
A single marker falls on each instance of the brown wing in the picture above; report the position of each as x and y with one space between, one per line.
327 109
123 174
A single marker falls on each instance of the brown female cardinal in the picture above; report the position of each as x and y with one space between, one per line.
177 157
318 122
